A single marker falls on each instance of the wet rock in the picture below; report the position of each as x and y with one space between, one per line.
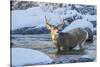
90 35
57 62
86 58
73 61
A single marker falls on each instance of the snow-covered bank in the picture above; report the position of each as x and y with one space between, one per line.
35 17
26 18
79 24
32 17
90 17
23 56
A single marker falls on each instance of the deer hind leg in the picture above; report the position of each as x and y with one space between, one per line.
81 45
83 42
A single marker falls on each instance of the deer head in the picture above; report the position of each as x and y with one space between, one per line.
54 29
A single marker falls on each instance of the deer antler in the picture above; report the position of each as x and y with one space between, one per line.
62 20
61 26
46 23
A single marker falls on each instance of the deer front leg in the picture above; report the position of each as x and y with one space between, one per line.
58 48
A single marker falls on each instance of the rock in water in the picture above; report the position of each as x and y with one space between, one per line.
86 58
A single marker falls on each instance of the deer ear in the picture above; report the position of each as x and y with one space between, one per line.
47 24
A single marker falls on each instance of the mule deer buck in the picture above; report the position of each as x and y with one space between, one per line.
81 23
67 40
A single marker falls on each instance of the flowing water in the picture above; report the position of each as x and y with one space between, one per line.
43 43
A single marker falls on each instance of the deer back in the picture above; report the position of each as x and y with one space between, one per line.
71 38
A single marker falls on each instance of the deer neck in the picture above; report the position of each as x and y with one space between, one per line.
54 38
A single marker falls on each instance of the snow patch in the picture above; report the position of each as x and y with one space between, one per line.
79 24
89 17
26 18
23 56
33 17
